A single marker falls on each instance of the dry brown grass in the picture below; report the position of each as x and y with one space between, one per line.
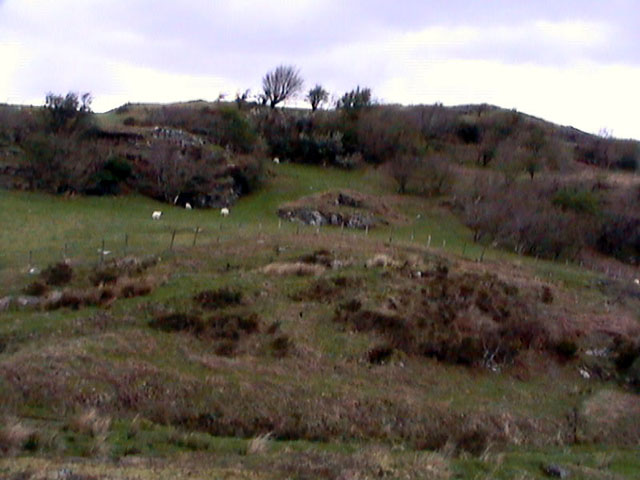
13 436
101 295
259 445
382 260
610 416
295 268
90 422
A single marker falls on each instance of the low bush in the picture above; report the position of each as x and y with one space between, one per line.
281 346
219 298
57 274
578 200
566 349
380 354
178 322
36 289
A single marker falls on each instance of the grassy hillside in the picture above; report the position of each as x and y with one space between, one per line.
272 349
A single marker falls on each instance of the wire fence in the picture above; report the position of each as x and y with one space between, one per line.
90 251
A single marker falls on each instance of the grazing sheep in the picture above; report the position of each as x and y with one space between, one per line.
637 281
188 206
276 160
224 212
156 215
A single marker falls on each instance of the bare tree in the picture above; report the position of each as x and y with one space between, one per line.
316 96
280 84
402 169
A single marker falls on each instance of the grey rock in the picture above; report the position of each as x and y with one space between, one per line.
5 303
556 471
54 296
26 301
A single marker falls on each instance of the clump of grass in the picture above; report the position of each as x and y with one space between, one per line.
89 422
281 346
321 290
219 298
300 269
232 325
57 274
380 354
104 275
226 348
319 257
36 288
259 445
14 436
178 322
77 298
547 295
135 287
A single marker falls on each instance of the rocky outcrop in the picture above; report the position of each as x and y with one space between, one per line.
310 216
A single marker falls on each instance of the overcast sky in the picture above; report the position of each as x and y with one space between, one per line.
574 62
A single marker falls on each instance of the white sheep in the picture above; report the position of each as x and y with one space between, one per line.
637 281
224 211
276 160
188 206
156 215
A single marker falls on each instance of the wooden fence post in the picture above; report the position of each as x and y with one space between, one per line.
195 235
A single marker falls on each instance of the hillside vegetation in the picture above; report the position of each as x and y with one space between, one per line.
409 292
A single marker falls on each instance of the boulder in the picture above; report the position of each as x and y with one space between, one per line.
5 303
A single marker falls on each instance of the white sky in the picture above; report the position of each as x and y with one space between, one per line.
574 62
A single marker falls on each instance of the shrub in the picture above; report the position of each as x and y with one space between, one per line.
468 133
578 200
232 326
281 346
135 288
219 298
36 289
626 353
619 236
177 322
105 275
13 437
380 354
566 349
57 274
230 128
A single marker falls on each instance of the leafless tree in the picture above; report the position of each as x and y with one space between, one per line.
280 84
402 169
316 96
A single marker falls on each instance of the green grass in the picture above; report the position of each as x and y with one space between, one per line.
39 229
327 373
